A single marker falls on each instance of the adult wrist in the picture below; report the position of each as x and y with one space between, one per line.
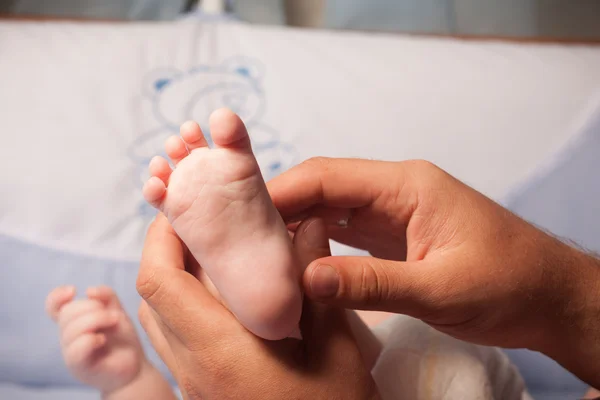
573 332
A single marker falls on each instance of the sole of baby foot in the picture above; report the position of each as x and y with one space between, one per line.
218 203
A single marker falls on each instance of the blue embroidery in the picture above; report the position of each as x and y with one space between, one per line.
159 84
177 96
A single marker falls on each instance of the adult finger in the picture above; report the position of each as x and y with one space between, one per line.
162 247
175 295
311 241
163 341
57 299
343 183
319 322
369 283
155 330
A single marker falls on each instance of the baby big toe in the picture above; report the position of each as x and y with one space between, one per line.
228 130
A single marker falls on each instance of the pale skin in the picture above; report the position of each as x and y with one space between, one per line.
441 252
205 197
236 364
101 348
217 202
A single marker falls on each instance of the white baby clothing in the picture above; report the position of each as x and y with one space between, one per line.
418 362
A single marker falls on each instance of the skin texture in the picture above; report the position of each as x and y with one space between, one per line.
442 252
217 202
100 346
446 254
192 332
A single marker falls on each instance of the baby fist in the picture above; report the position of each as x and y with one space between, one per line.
98 340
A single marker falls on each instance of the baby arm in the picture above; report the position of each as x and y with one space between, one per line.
101 348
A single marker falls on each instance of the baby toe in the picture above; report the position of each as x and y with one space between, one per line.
154 191
192 135
175 148
160 168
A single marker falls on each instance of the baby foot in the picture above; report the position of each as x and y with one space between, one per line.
217 202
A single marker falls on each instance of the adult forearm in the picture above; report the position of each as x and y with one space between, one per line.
573 338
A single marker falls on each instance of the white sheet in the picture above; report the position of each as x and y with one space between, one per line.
563 194
74 95
84 107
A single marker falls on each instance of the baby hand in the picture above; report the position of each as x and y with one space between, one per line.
99 342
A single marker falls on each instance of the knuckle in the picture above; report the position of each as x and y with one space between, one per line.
318 163
424 165
427 170
148 285
373 284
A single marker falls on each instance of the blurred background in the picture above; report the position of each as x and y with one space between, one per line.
576 19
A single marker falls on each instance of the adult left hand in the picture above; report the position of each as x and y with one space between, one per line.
212 356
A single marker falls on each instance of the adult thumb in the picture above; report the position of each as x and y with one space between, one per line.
368 283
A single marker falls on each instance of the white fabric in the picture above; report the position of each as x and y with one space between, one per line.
562 195
419 363
84 107
487 112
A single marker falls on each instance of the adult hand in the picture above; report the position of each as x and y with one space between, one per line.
446 254
212 356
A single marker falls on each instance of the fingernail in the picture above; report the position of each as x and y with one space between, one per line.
325 281
315 234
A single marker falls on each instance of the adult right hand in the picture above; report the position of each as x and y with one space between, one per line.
446 254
